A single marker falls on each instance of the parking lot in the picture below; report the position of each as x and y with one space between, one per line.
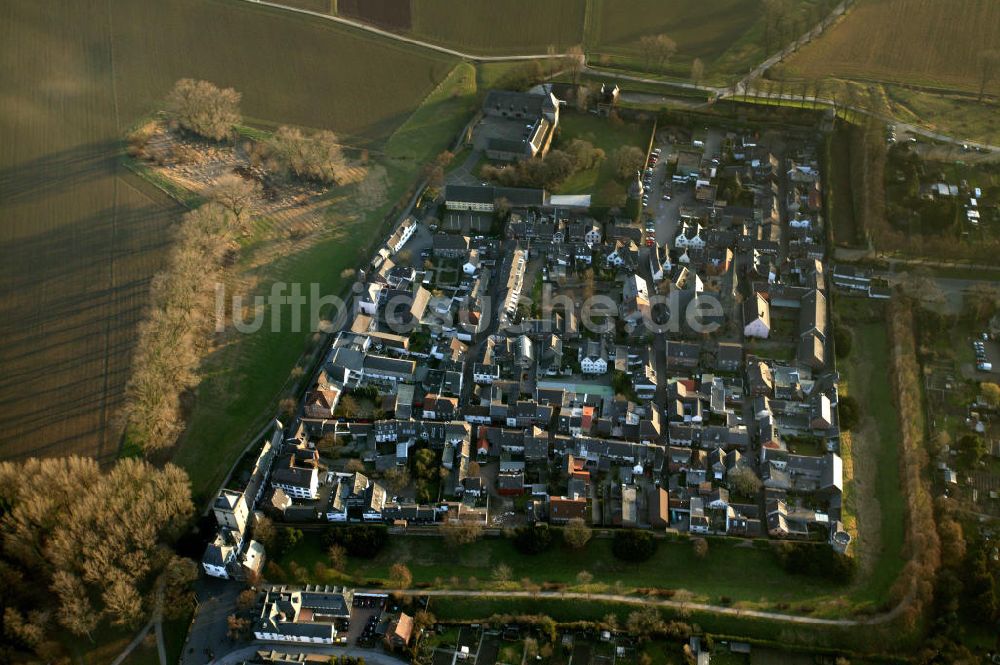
666 212
365 617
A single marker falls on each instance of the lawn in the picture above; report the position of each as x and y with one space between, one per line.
600 181
721 575
874 494
919 42
439 119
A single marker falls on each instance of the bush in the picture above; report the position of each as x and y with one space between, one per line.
288 539
816 561
850 412
203 108
360 540
633 545
532 539
843 340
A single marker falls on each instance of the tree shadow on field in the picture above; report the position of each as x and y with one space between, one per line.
72 299
51 173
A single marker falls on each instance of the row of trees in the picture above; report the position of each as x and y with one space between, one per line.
549 171
173 338
922 547
80 547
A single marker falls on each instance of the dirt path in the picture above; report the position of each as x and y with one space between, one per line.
155 623
358 25
655 602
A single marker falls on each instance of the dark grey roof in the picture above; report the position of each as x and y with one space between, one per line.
517 102
521 197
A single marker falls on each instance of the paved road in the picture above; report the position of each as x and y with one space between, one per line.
373 657
216 601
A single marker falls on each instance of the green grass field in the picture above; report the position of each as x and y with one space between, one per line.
439 119
865 376
673 567
600 181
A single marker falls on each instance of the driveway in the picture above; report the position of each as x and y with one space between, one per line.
462 174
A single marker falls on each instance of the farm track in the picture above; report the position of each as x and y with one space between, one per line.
358 25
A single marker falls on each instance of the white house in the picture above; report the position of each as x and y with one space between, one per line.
221 553
689 237
402 234
311 614
594 358
756 317
368 300
659 263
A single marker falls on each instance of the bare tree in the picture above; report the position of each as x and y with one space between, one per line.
461 533
338 557
645 623
237 627
577 534
658 49
317 157
203 108
397 478
697 71
246 600
265 533
76 612
235 194
502 572
575 59
178 576
400 576
744 481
